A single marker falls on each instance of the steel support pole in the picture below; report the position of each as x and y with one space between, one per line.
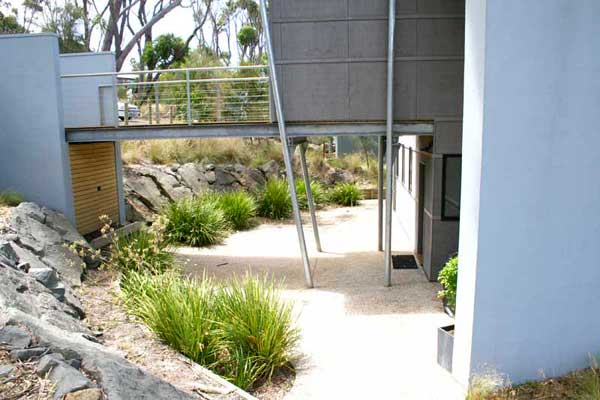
188 96
380 151
287 157
309 196
389 147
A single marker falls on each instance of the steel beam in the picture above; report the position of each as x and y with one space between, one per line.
184 131
389 147
380 152
309 196
287 157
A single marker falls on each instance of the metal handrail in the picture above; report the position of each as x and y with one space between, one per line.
154 71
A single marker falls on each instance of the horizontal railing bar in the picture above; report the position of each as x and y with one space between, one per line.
210 80
152 71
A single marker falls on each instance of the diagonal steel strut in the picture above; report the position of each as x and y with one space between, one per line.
287 158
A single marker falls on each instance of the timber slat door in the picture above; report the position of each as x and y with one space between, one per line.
94 183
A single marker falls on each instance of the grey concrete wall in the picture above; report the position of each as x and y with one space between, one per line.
331 56
34 156
87 101
528 295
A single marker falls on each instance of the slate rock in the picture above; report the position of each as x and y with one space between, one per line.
194 176
68 264
14 336
145 189
45 275
31 353
67 379
48 362
270 169
6 370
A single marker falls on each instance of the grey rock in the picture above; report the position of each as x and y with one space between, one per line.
145 189
167 183
224 177
24 266
45 275
67 379
193 175
6 370
336 175
48 362
14 336
68 264
28 354
211 176
31 210
270 169
33 234
136 210
63 226
8 253
252 177
26 256
85 394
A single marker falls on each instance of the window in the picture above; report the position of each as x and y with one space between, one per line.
403 165
451 187
410 167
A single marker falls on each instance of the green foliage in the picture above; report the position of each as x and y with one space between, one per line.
164 51
9 24
65 21
239 208
318 192
448 278
10 198
345 194
142 251
195 222
274 200
247 36
241 330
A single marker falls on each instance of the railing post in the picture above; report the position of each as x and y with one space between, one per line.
218 102
188 94
150 113
156 95
126 114
171 115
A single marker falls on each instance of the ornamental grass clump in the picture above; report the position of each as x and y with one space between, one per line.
238 207
318 193
241 329
196 222
10 198
345 194
274 200
143 251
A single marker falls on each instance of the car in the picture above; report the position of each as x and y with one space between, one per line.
133 111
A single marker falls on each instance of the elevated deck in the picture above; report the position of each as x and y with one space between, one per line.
243 129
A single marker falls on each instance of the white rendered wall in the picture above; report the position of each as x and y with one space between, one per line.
34 156
406 201
529 248
88 100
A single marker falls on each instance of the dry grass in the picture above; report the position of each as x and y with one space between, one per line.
23 383
207 151
579 385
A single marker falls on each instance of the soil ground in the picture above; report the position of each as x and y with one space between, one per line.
360 339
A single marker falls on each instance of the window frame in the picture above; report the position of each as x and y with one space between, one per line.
445 158
410 169
403 165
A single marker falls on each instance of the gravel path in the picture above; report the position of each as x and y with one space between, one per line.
360 340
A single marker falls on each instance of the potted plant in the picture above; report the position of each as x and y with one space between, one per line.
448 279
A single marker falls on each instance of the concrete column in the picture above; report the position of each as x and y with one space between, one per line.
529 270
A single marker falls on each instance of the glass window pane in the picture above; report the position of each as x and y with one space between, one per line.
451 192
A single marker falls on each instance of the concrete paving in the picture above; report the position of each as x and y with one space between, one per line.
360 340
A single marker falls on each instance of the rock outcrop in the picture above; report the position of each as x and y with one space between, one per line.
41 319
148 188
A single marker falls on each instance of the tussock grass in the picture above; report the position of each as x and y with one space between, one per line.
141 251
10 198
216 151
318 192
239 208
345 194
241 329
196 222
274 200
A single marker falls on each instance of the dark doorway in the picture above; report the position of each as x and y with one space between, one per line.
421 210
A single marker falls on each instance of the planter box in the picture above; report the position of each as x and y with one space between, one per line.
445 347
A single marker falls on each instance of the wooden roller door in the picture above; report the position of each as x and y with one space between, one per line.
94 180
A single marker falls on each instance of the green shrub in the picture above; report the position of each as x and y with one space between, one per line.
345 194
318 193
196 222
241 330
239 208
141 251
10 198
274 200
448 278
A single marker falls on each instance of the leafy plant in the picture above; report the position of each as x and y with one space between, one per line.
274 200
196 222
143 251
242 330
10 198
448 278
345 194
318 193
239 208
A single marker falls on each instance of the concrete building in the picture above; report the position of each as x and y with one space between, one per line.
525 209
